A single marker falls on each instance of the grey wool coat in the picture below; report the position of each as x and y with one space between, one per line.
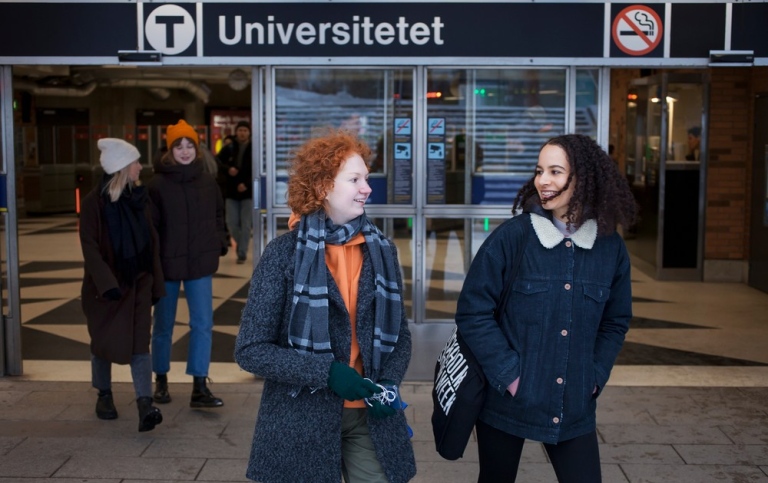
298 430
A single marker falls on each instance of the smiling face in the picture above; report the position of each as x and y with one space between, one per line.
346 200
551 179
184 152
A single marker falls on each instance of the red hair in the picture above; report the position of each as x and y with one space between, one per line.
316 165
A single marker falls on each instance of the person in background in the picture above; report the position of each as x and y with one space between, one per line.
694 144
226 141
188 214
325 326
549 357
122 278
235 169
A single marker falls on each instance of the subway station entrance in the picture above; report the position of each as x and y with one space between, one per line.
454 121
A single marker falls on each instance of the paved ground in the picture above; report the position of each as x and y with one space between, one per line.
49 433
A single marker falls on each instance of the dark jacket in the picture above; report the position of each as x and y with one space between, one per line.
119 328
188 212
563 327
298 438
227 159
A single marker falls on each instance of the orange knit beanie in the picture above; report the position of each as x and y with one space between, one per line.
180 130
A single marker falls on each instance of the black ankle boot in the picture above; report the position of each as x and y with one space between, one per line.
149 416
201 395
105 405
161 395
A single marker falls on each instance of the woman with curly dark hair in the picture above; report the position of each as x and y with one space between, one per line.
325 326
550 354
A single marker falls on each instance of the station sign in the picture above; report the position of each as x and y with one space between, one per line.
205 32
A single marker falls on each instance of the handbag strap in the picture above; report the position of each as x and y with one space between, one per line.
513 274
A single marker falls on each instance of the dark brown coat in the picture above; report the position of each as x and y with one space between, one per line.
121 328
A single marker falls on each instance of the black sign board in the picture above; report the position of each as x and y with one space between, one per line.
198 32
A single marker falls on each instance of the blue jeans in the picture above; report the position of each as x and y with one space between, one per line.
199 294
239 222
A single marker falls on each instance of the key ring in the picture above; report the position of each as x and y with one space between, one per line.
387 396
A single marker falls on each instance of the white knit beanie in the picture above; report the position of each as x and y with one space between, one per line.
116 154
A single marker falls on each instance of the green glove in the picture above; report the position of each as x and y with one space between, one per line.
348 384
380 411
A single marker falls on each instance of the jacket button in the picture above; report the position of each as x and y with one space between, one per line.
568 244
563 332
559 380
555 420
567 286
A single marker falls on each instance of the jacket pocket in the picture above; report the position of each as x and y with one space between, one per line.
527 302
595 297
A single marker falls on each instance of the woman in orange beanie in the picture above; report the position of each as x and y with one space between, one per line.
188 213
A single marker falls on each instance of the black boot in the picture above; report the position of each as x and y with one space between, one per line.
105 405
161 396
201 395
149 416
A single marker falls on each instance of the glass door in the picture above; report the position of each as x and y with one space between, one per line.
666 168
484 128
376 105
10 320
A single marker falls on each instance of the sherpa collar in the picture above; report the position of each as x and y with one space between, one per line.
550 236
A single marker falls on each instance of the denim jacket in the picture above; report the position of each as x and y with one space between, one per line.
564 324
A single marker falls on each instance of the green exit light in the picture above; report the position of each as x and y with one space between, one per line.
479 92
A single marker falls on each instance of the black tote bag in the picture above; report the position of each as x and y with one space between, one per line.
459 388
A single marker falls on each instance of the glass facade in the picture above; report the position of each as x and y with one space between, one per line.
450 149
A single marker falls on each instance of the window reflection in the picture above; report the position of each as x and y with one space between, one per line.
363 102
448 259
587 84
495 123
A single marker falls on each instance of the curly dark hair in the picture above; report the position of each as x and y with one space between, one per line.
601 192
315 166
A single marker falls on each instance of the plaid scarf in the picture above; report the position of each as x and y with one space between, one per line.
308 326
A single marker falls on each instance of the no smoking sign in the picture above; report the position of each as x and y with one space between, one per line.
637 30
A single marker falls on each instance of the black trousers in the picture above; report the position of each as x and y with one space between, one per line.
575 461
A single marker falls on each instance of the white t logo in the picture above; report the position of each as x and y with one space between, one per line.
170 29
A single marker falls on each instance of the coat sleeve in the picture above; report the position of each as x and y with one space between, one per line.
261 347
94 263
394 366
615 321
158 280
478 300
220 222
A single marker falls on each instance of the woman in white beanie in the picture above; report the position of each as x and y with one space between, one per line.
123 278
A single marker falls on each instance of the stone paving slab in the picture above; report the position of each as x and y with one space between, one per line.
653 434
740 454
183 469
693 474
224 470
746 434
